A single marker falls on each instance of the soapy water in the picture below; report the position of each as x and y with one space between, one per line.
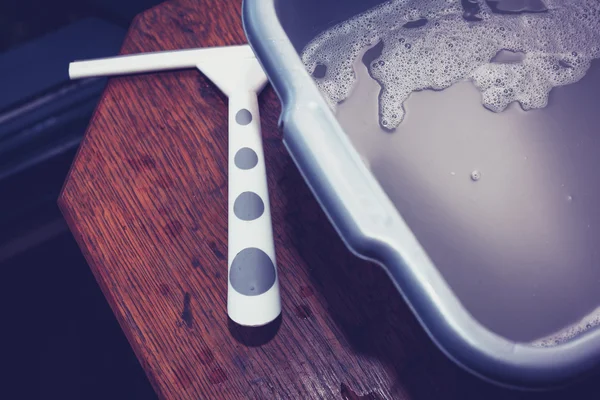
590 321
511 55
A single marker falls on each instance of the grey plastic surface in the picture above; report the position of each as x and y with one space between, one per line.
367 220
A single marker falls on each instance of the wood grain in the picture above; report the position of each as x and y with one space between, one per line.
147 202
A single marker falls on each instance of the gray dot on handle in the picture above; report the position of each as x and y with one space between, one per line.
245 158
252 272
243 117
248 206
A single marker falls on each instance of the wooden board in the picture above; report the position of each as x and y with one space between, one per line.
147 202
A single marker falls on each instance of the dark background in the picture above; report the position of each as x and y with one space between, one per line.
60 339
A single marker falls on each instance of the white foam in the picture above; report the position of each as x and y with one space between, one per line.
558 46
590 321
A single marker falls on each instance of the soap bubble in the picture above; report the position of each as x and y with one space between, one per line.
558 46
